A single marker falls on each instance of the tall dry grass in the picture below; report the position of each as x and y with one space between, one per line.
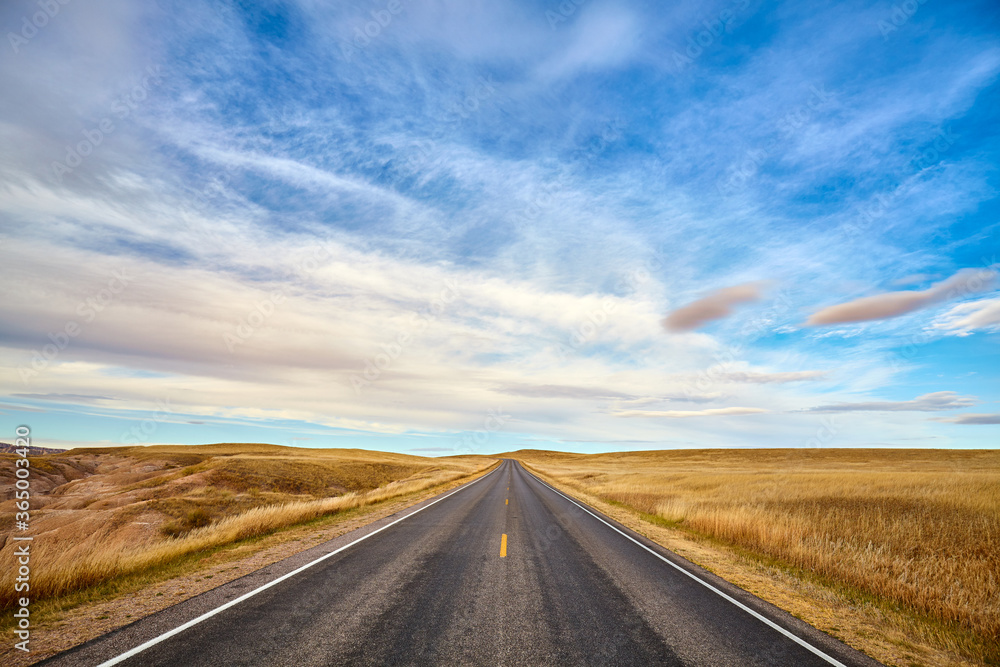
66 565
919 532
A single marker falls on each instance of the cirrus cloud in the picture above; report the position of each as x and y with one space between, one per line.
752 377
678 414
972 418
963 319
933 402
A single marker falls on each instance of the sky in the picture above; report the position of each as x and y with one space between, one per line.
451 227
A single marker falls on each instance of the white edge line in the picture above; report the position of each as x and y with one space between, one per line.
764 619
195 621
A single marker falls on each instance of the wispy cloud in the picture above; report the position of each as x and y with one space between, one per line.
603 36
560 391
19 408
965 318
753 377
69 398
933 402
971 418
680 414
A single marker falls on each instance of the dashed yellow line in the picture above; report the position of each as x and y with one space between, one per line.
506 501
503 546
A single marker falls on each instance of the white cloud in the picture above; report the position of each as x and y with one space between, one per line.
963 319
754 377
971 418
933 402
602 37
678 414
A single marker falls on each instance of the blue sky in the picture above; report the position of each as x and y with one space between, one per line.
451 227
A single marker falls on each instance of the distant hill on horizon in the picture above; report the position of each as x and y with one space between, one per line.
7 448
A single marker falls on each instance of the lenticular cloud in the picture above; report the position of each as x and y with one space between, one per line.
715 306
894 304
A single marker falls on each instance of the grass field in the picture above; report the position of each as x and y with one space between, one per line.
913 530
100 514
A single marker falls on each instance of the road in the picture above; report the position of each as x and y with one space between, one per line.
503 571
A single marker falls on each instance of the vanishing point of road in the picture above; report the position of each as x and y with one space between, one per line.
504 570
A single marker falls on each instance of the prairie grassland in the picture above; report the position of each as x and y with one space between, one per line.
102 514
918 530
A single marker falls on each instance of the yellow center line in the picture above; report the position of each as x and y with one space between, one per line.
503 546
506 501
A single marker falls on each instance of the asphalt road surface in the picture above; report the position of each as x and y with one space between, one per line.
503 571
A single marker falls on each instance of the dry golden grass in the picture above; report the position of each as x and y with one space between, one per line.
916 530
98 515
